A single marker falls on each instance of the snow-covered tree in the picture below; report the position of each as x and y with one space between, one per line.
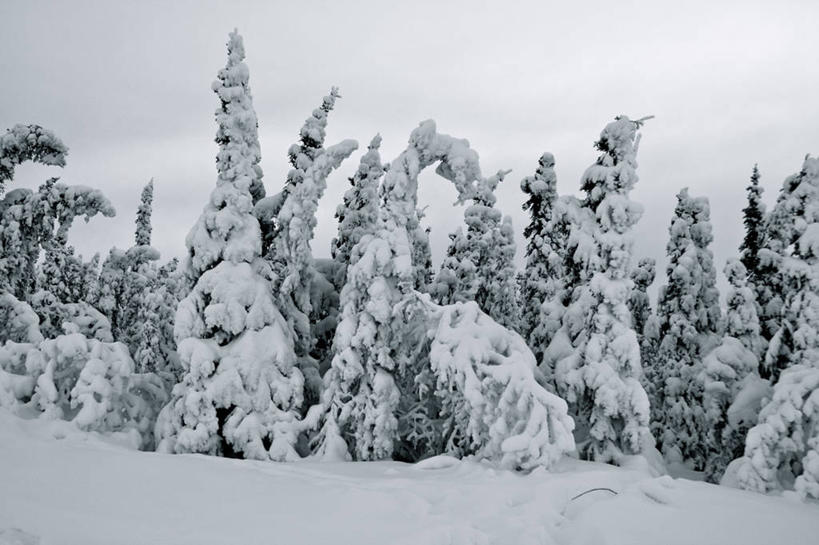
782 451
289 232
770 284
728 370
645 322
361 395
689 322
574 261
123 280
301 156
24 143
784 226
457 280
143 218
639 303
489 402
501 299
241 392
358 212
480 263
753 217
78 375
742 311
33 222
599 374
542 257
292 256
65 274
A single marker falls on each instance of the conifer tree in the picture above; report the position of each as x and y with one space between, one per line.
362 396
729 368
241 392
542 260
480 263
600 374
28 143
301 156
143 219
689 316
642 276
290 253
782 450
34 222
753 217
358 212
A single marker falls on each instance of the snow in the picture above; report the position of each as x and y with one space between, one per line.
66 487
29 143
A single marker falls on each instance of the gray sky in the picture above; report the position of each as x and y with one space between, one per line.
127 86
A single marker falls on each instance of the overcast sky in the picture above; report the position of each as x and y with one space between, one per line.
126 85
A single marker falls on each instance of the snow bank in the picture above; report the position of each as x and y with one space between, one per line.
68 488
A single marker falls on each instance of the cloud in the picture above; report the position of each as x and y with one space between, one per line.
127 86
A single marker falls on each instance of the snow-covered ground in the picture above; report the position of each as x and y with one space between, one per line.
65 487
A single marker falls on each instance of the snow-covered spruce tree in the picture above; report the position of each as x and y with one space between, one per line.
357 215
33 222
753 217
782 231
742 311
600 375
689 319
147 304
645 322
782 451
480 263
401 361
501 299
76 377
287 220
24 143
23 215
542 258
291 256
124 278
728 370
65 274
486 400
241 392
143 218
639 303
301 155
361 396
358 212
575 261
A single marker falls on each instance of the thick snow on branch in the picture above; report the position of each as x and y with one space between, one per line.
29 143
491 405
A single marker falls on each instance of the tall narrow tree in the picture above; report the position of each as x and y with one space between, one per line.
241 392
753 217
689 317
542 257
600 375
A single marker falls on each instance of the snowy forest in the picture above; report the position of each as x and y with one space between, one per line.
257 346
